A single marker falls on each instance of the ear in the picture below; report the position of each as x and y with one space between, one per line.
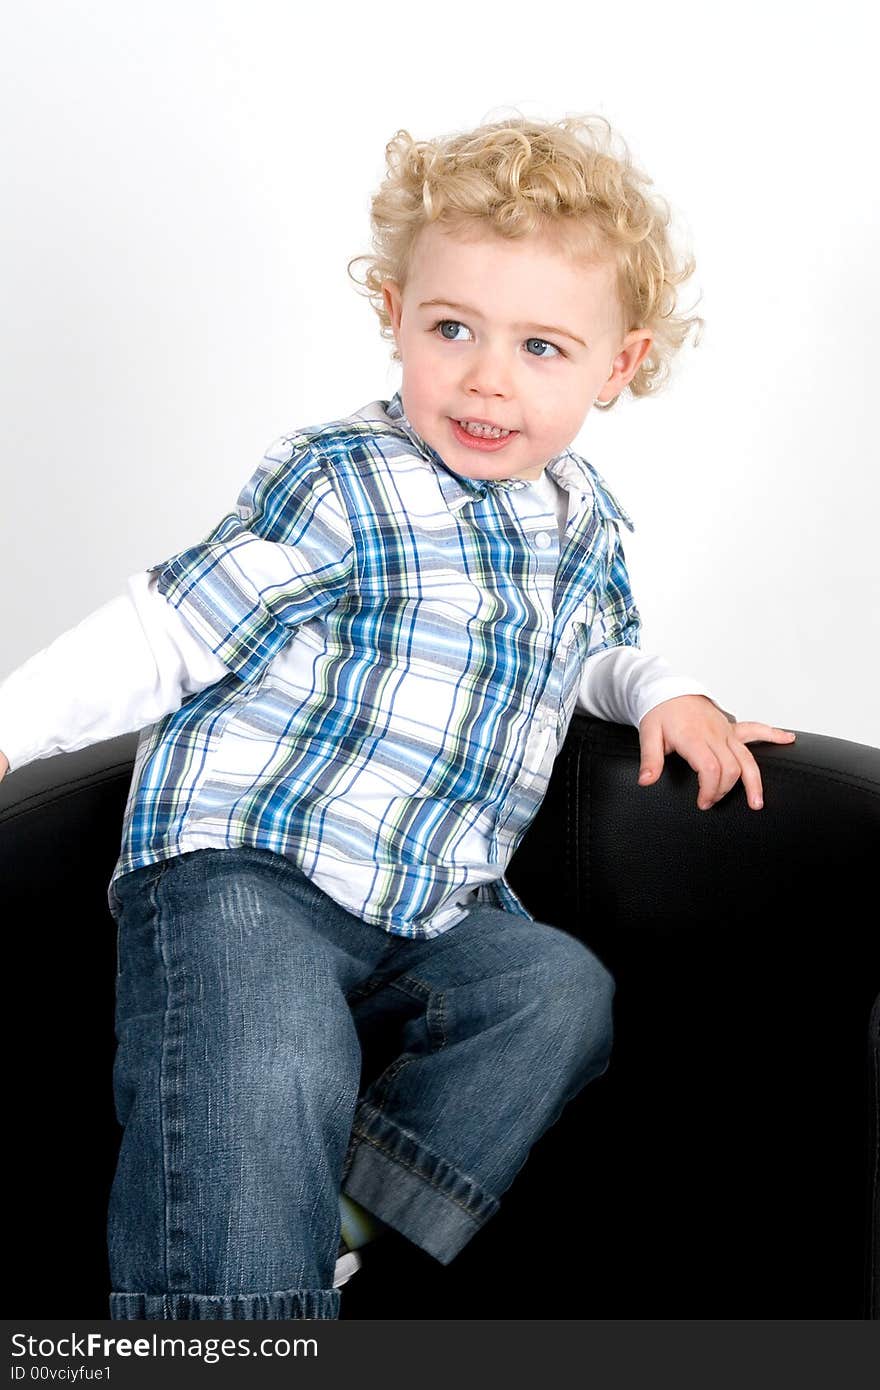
393 303
636 346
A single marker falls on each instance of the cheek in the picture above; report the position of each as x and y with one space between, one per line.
547 418
569 404
555 426
423 378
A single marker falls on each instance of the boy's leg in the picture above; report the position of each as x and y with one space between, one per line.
235 1079
502 1022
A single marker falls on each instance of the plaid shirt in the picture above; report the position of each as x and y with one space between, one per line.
404 648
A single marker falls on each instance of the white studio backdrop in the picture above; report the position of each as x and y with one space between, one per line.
185 182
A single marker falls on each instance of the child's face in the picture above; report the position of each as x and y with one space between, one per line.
505 357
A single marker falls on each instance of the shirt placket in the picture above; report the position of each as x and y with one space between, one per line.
542 536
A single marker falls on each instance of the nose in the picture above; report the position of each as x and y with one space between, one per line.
488 374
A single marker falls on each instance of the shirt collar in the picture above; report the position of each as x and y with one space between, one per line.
574 472
568 469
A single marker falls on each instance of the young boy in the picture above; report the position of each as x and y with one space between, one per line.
351 695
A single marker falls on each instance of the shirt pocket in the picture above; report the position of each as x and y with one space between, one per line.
580 625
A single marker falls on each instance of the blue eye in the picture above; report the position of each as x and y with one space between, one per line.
544 342
445 323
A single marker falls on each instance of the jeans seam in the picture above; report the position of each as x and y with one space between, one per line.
435 1019
435 1007
313 1302
435 1026
162 949
411 1168
382 1085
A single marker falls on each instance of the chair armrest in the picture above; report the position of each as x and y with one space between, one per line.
646 855
60 820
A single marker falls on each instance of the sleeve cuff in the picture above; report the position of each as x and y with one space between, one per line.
622 684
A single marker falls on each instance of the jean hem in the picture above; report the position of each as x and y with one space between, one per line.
290 1304
421 1195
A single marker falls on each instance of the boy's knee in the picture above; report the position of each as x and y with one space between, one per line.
291 1052
578 995
573 966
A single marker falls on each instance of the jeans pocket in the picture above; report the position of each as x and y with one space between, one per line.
129 889
136 880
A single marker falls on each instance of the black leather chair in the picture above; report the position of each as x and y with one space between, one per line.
725 1166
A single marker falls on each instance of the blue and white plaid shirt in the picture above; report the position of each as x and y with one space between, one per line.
404 648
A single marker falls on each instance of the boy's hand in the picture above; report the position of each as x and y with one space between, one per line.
696 729
4 766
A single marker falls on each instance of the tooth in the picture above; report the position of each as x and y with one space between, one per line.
483 431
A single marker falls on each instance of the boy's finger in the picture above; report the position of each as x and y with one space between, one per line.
751 779
651 755
710 778
764 733
747 771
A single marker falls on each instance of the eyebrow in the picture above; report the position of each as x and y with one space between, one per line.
466 309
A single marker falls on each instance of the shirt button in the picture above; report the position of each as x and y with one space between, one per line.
542 540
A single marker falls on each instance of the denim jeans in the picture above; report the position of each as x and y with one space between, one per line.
247 1004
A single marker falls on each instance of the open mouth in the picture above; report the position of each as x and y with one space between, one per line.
487 442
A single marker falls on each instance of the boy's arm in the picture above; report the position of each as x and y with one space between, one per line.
284 555
620 682
643 693
121 668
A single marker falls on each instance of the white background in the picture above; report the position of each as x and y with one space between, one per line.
184 182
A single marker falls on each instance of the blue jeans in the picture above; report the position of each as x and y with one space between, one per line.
247 1001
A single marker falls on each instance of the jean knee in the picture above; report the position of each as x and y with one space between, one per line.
295 1062
579 992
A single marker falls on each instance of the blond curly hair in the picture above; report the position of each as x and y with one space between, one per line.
561 180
